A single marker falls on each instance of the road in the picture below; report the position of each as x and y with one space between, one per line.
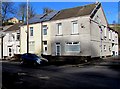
98 75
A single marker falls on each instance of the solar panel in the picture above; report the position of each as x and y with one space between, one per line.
50 15
41 18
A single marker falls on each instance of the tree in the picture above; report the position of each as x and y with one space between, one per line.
47 10
31 12
7 8
22 11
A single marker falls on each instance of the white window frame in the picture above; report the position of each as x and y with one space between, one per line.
73 29
59 30
105 48
44 27
105 31
57 44
45 46
32 43
110 34
32 31
72 43
18 35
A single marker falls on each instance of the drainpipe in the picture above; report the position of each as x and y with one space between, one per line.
2 47
100 41
41 39
2 35
100 35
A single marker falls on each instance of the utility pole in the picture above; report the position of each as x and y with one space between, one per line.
27 28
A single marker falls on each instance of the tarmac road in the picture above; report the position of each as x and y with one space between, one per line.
102 75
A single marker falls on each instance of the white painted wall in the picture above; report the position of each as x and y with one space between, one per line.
14 44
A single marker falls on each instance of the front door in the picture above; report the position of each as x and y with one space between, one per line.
45 47
58 49
10 51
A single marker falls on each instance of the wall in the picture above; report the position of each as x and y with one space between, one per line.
83 36
36 38
14 44
96 35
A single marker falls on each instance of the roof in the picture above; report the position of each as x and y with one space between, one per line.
14 27
41 18
75 12
35 19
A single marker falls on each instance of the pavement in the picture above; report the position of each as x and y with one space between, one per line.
98 74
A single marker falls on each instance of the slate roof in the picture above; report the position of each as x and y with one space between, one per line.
14 27
75 12
41 18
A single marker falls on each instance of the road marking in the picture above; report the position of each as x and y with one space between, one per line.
44 77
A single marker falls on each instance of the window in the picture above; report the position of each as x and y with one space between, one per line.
10 50
104 47
74 27
58 49
113 36
31 31
11 37
109 48
31 46
105 32
44 29
59 29
45 42
110 34
18 36
45 48
72 47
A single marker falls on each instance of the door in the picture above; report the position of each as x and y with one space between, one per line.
45 47
10 51
58 49
18 50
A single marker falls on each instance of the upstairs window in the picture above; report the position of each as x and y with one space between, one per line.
18 36
44 29
105 32
59 28
110 34
31 31
74 27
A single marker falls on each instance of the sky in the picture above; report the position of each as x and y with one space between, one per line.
110 8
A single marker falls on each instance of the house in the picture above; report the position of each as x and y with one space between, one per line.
75 32
2 34
13 20
37 34
11 40
116 27
81 31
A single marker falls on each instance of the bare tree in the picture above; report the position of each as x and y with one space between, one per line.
7 8
47 10
31 12
22 11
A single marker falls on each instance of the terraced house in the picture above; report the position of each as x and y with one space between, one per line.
78 32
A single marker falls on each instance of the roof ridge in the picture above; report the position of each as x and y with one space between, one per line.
79 6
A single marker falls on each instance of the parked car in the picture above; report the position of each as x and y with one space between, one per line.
32 59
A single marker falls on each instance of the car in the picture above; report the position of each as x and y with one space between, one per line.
32 59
